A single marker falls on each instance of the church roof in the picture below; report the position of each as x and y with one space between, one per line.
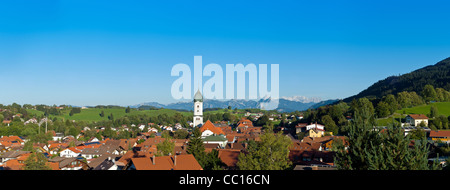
210 126
198 96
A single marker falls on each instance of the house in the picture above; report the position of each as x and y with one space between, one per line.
106 149
68 163
416 119
32 120
104 162
443 136
16 164
244 124
71 152
209 129
7 122
326 142
90 153
315 132
212 134
315 126
57 136
12 142
216 139
175 162
55 147
11 155
300 127
303 127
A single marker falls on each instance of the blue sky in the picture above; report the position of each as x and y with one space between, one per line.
122 52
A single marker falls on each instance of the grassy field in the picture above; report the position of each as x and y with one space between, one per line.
93 114
443 108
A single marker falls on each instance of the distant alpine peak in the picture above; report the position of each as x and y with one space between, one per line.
302 99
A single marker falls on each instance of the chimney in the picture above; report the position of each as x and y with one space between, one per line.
231 145
175 160
245 145
153 159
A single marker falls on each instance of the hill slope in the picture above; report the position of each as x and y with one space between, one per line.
437 75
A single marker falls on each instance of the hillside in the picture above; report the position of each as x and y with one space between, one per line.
443 107
437 75
93 114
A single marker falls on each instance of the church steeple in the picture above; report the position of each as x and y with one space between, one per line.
198 109
198 96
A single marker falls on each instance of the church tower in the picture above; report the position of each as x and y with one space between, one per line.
198 109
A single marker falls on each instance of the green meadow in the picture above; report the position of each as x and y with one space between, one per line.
93 114
443 108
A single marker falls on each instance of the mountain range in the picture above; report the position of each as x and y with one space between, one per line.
286 104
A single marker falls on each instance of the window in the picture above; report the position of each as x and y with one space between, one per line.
198 106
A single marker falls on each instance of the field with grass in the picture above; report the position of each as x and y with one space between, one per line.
443 108
93 114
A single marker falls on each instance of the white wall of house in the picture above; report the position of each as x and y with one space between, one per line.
221 143
207 133
68 153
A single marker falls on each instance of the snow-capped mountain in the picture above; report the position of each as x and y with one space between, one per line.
285 104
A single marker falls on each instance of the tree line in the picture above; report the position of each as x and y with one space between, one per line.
336 117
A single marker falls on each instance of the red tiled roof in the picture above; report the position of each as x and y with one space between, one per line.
180 162
210 126
418 116
245 122
229 157
439 133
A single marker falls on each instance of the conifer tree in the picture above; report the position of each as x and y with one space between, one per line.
374 149
196 147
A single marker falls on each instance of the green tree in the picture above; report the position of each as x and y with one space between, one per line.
370 149
362 103
330 125
212 161
180 134
382 109
417 134
111 117
429 93
166 147
392 103
434 112
263 120
271 153
196 147
403 99
36 161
